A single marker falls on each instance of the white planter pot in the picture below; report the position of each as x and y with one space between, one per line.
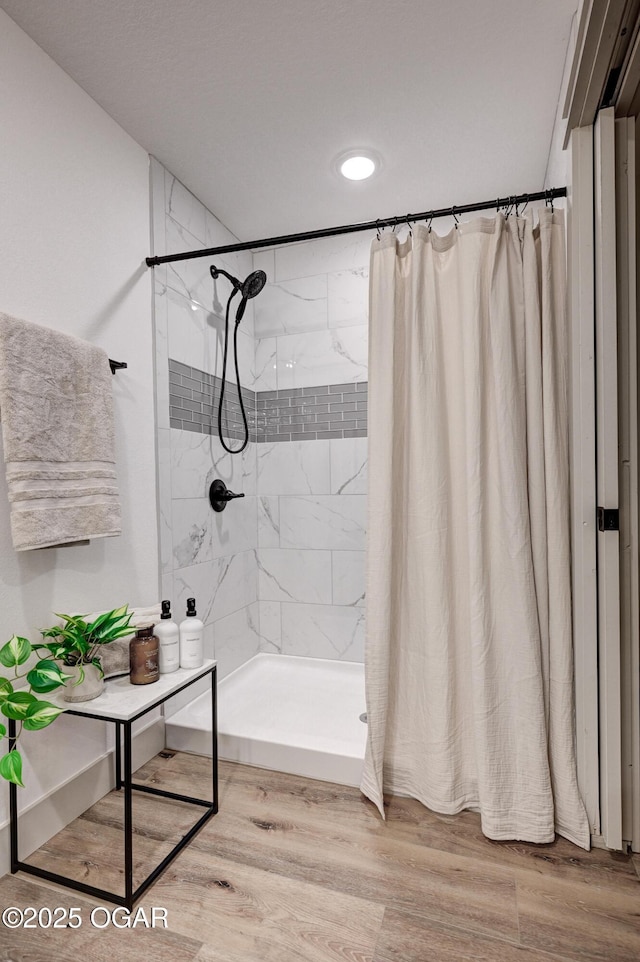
90 687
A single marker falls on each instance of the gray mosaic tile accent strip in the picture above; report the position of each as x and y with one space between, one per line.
193 403
312 413
292 414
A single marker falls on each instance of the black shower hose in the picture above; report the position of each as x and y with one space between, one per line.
224 381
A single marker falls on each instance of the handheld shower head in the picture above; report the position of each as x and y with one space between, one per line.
254 284
251 287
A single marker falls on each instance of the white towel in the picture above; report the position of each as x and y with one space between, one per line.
139 616
56 407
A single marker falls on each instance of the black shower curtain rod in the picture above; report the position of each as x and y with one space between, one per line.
515 201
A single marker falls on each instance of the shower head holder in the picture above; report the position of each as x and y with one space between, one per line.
220 495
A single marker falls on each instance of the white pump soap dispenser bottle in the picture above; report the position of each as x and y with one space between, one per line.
191 638
166 631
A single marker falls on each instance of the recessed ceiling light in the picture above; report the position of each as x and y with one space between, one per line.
357 164
357 168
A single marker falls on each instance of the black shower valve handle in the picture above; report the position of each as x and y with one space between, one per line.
220 495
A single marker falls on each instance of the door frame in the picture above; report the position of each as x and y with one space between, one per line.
607 475
604 74
583 476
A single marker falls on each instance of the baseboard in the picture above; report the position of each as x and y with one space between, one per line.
597 841
49 815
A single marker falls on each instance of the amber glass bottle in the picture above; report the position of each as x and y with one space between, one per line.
144 656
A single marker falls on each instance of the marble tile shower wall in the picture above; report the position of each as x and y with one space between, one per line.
283 569
311 329
206 555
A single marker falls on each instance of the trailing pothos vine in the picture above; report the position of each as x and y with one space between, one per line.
74 643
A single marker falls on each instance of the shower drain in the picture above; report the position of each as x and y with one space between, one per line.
363 717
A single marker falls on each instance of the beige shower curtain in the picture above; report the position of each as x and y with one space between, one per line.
469 652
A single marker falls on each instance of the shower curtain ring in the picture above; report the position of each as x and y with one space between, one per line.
409 226
430 222
455 217
377 230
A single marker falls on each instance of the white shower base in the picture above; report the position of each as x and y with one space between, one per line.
297 715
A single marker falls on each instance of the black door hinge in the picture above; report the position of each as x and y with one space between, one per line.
608 519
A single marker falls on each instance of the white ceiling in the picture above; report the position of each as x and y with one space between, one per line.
248 102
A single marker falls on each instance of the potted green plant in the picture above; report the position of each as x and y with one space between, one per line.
76 644
65 660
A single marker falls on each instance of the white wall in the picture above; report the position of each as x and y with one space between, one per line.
74 232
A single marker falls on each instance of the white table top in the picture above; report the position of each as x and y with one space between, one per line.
122 701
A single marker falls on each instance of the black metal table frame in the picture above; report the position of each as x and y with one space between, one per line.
124 780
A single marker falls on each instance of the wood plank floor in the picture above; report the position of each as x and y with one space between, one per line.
295 870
